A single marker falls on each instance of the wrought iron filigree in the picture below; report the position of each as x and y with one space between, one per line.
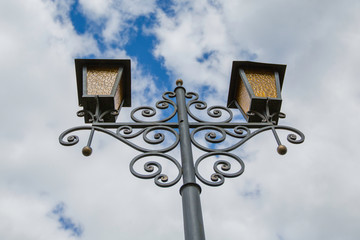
160 179
218 178
163 135
147 111
123 134
213 111
243 133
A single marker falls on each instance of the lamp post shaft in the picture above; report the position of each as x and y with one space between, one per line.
190 190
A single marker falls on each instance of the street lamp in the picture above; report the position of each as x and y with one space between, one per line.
254 91
103 84
255 88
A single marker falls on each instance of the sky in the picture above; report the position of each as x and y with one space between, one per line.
48 191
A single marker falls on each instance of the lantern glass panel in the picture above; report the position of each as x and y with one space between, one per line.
262 82
243 97
118 97
101 80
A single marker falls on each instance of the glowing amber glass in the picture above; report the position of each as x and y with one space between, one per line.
262 82
101 80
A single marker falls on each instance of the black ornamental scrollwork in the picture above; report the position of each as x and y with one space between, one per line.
158 130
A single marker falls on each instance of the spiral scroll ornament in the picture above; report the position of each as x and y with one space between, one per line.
150 112
153 169
124 134
214 112
217 135
219 175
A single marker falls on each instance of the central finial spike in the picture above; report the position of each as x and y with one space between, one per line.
179 82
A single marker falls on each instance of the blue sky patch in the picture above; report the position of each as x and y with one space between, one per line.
66 223
205 56
77 18
141 45
167 7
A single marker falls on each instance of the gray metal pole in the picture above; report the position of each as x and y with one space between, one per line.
190 190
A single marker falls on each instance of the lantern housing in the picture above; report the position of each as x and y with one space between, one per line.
103 84
256 87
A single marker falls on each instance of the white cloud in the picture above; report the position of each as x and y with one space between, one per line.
196 30
116 16
38 97
27 217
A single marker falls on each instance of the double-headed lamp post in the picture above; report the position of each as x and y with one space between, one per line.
255 90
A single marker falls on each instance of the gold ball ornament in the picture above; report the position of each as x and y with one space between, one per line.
179 82
281 149
86 151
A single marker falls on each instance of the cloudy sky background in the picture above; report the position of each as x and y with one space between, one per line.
48 191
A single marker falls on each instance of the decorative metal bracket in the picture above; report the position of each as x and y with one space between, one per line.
155 132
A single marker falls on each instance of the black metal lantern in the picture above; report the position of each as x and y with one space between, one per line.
103 85
256 88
